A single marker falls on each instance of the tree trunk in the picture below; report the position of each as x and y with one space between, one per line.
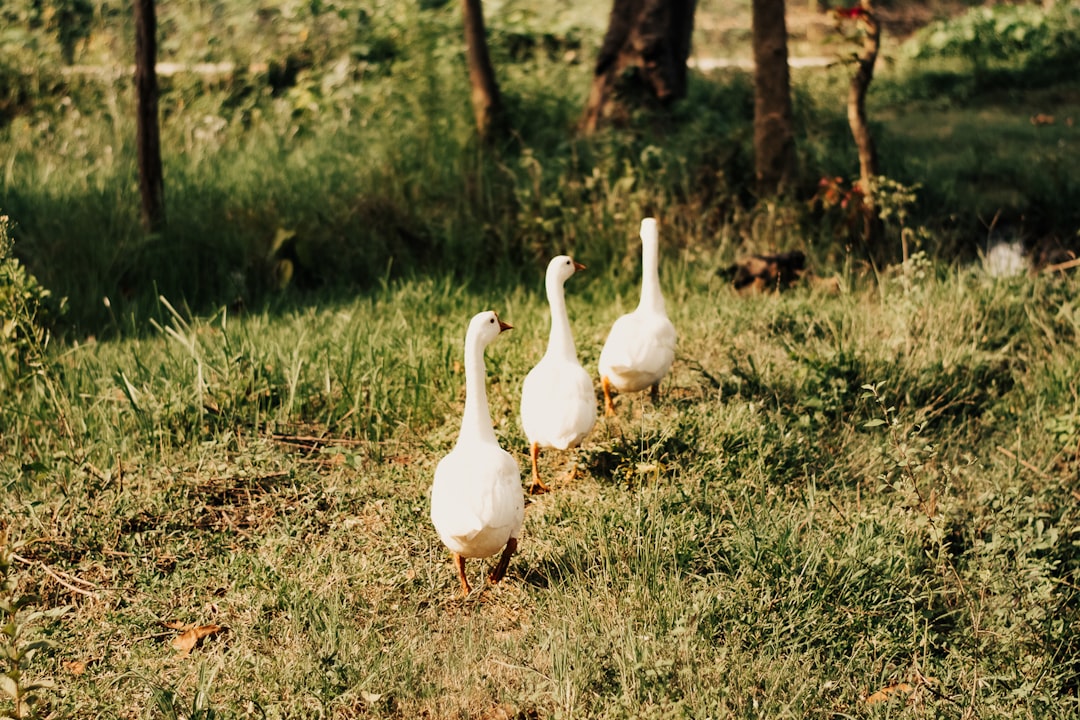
856 108
642 61
873 228
151 182
774 141
486 102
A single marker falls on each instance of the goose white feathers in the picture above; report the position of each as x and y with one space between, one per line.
558 403
641 345
477 505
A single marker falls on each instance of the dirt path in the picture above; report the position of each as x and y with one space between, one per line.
706 64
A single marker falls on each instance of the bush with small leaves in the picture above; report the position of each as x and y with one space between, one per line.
17 646
27 310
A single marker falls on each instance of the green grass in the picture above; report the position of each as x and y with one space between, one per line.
972 146
752 546
837 494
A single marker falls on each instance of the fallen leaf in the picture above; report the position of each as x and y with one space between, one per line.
884 693
500 712
188 639
75 667
370 697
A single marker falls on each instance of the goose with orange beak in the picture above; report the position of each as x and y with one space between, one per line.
558 403
477 505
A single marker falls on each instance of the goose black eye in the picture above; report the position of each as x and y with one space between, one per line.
492 321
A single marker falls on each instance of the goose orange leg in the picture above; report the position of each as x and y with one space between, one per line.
459 562
499 571
538 485
609 406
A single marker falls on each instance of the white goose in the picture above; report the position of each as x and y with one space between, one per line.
641 345
476 501
558 403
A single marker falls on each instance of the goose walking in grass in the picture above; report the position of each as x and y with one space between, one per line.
476 501
558 403
641 345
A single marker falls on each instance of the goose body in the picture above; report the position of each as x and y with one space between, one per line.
558 403
477 505
640 348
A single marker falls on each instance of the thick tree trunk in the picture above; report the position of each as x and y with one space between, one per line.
856 108
151 182
486 101
642 60
774 141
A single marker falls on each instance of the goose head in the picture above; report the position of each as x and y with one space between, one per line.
561 268
485 327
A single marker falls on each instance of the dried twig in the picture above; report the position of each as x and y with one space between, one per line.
56 575
1075 262
312 440
1012 456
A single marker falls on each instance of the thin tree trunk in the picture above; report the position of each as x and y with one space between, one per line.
774 141
151 181
642 60
856 107
486 101
860 129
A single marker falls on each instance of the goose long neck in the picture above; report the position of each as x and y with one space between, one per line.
476 421
651 297
561 340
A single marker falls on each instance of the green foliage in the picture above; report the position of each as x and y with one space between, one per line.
67 22
172 707
1040 43
998 32
27 312
20 696
339 152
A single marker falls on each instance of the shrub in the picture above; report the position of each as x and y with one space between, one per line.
1039 46
26 312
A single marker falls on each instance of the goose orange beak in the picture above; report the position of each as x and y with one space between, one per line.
578 266
503 327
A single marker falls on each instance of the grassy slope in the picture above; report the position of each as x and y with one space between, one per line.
746 548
